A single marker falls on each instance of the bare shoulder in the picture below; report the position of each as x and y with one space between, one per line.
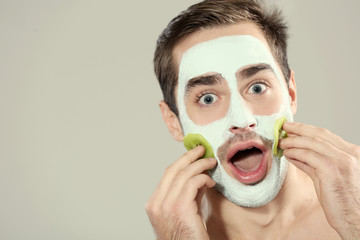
312 225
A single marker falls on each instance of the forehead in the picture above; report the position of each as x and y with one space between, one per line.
225 55
205 35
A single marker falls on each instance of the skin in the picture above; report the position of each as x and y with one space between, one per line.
320 198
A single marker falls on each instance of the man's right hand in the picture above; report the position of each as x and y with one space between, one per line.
174 208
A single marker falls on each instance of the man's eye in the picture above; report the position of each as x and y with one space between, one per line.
257 88
208 99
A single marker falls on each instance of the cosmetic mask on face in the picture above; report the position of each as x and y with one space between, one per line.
226 55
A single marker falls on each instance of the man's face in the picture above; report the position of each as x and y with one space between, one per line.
231 91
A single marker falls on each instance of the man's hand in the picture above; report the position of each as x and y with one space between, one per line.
174 208
334 167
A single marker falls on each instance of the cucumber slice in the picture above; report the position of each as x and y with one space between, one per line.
278 134
193 140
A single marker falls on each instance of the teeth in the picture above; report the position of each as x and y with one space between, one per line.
248 148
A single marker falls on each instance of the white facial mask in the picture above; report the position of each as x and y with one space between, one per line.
226 55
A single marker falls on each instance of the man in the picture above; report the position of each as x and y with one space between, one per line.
222 66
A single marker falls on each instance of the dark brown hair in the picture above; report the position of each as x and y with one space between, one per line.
215 13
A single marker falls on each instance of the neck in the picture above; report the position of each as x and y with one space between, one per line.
226 220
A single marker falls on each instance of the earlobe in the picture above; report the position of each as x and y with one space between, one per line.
172 122
292 92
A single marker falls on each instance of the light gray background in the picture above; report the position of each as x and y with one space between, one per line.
82 143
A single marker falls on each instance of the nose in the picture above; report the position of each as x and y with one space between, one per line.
242 118
237 129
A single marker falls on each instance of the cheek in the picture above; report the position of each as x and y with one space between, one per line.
203 115
271 102
267 105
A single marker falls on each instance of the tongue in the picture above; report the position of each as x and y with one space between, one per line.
247 160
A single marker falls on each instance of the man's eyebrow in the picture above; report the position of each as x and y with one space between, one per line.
254 69
203 81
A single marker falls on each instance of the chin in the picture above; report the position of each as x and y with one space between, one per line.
252 187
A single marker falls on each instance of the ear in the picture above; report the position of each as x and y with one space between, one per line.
292 92
172 122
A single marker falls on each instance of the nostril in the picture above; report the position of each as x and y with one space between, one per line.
235 129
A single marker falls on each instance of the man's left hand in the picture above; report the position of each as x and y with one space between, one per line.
334 166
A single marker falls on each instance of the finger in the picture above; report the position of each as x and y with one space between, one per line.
292 134
312 143
317 162
197 167
189 172
192 188
303 167
171 172
189 157
186 159
312 131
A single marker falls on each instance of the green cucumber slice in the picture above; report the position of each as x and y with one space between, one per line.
278 134
193 140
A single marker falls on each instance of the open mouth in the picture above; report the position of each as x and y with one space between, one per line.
248 162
